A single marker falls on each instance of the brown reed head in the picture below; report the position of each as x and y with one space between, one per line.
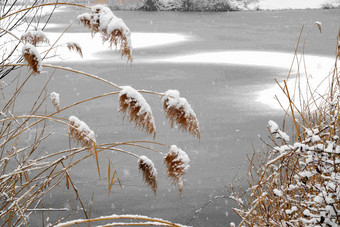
113 29
178 111
34 37
146 166
75 47
81 133
177 163
32 57
85 19
131 102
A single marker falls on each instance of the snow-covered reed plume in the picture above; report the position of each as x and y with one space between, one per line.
133 103
146 166
113 29
34 37
54 96
177 162
81 133
33 58
75 47
179 111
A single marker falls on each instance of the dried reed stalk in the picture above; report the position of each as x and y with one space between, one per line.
146 166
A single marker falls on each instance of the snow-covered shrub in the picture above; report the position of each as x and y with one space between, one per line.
33 164
298 183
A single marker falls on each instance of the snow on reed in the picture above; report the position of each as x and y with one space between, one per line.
177 162
179 111
274 129
33 58
54 96
81 133
113 29
133 103
146 166
34 37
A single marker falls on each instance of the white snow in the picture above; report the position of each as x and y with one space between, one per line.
277 192
273 127
293 4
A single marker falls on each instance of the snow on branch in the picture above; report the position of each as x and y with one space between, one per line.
179 111
54 96
133 103
113 29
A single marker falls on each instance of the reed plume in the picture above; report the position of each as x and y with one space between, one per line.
55 99
178 111
81 133
177 162
33 58
146 166
76 47
133 103
113 29
34 37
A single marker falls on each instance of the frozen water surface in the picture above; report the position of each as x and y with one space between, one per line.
221 63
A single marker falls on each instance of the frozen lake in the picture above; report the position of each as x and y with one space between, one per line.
223 94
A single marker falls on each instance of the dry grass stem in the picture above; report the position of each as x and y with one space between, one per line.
178 111
146 166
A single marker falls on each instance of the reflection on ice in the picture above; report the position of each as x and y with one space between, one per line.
92 46
317 67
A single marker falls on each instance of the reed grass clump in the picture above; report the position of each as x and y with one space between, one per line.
34 37
297 183
30 168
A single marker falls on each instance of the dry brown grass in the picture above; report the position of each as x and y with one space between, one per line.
297 184
30 170
75 46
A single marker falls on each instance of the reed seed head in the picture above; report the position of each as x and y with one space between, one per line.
34 37
55 99
139 111
112 28
33 58
81 133
146 166
178 111
177 162
75 47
